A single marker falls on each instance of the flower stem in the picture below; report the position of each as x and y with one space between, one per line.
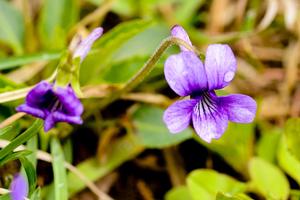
146 69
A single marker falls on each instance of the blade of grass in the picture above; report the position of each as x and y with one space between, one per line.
59 171
25 136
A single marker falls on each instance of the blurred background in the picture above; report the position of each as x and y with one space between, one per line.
125 148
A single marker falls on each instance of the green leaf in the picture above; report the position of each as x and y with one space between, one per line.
68 150
221 196
97 61
288 162
5 197
14 156
186 10
36 195
268 180
32 145
178 193
292 134
57 17
11 27
235 146
151 130
9 132
16 61
121 150
23 137
267 145
206 183
6 84
30 173
59 171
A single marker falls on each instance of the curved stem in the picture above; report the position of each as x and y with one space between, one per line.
146 69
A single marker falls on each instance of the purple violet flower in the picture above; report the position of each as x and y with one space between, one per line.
52 104
188 76
18 188
57 104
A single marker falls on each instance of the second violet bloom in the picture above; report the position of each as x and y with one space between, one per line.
188 76
53 103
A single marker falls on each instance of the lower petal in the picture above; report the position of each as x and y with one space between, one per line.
49 123
62 117
210 125
32 111
177 117
239 108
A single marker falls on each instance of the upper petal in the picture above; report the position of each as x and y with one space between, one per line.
220 65
185 73
85 45
18 188
40 95
70 103
209 120
179 32
239 108
178 116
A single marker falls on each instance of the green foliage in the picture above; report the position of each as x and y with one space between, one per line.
11 27
292 132
221 196
287 161
57 17
93 68
205 184
152 132
15 61
178 193
235 146
30 174
23 137
59 171
267 145
268 179
10 132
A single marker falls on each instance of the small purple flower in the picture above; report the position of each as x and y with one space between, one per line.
52 104
85 45
57 104
18 188
188 76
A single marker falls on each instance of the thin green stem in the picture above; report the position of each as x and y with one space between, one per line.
146 69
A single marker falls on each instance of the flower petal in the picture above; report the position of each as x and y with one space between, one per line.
70 103
177 117
49 123
185 73
240 108
62 117
32 111
85 46
220 65
18 188
40 95
179 32
209 120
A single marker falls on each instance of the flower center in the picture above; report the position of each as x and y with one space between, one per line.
206 105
